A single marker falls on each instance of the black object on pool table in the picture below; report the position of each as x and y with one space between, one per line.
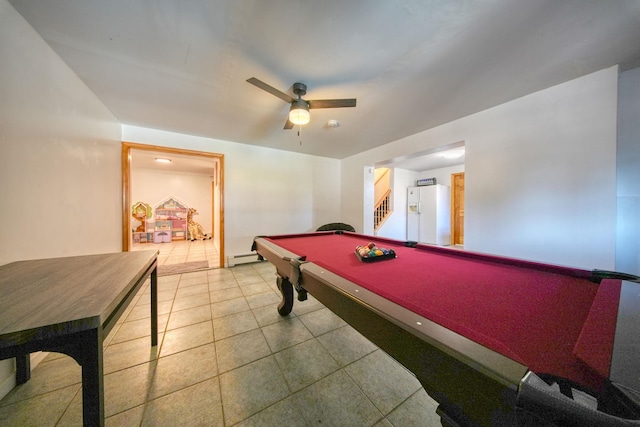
372 253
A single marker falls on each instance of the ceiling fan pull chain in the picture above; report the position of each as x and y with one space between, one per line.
300 133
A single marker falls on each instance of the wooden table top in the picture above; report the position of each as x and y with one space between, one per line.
50 297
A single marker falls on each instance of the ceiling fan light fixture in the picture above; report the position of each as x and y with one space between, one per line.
299 112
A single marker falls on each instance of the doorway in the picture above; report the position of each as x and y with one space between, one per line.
217 202
457 209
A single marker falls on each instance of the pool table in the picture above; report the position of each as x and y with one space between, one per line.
495 341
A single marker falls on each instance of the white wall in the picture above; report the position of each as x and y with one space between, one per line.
60 163
539 173
628 238
266 191
154 187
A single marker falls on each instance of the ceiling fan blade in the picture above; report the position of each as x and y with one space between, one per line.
332 103
288 124
272 90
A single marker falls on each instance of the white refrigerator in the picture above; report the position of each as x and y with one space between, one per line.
429 214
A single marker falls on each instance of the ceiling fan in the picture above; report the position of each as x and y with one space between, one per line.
299 111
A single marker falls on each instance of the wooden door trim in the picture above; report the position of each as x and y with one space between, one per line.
454 231
126 187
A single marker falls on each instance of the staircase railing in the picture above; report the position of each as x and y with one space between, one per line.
382 210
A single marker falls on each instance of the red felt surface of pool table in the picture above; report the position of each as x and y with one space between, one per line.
515 308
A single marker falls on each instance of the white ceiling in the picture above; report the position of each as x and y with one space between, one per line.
182 65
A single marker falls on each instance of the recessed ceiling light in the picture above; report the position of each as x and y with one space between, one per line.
161 160
453 154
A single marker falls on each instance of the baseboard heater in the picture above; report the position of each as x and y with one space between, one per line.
241 259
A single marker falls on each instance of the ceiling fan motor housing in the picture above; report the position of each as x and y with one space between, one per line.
300 89
299 103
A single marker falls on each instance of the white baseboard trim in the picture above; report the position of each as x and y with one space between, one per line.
241 259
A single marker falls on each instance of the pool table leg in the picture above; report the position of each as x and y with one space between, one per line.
286 289
446 420
448 424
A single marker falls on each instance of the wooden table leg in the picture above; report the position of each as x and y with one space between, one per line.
23 368
154 307
90 357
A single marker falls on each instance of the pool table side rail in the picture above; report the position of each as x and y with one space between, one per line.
279 253
279 257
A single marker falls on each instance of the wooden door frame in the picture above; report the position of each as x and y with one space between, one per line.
126 188
453 210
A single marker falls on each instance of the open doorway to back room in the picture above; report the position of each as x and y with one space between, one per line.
432 167
172 196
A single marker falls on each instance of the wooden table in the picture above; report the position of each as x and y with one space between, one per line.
69 305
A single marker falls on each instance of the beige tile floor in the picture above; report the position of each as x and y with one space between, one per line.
180 251
226 358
